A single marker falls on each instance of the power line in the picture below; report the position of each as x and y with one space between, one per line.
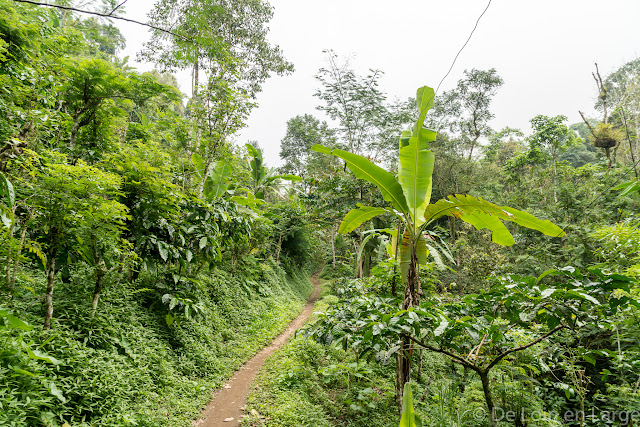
104 15
464 45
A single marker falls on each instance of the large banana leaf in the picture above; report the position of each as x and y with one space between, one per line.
416 160
425 101
218 181
499 233
257 169
408 417
483 214
355 217
416 169
365 169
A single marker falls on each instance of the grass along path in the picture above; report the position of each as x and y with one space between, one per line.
227 406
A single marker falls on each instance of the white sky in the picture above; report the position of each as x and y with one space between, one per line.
544 50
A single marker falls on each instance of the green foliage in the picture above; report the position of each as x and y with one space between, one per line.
7 195
124 363
126 198
310 384
408 417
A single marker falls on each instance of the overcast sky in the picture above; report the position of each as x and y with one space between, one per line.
544 50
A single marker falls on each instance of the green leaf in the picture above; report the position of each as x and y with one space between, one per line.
40 355
408 417
425 100
203 242
289 177
525 219
499 233
363 168
405 253
415 176
436 257
22 372
217 183
16 323
589 358
547 292
169 319
54 390
162 250
7 191
483 214
441 327
627 187
363 244
198 162
355 217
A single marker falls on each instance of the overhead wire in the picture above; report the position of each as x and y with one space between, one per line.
464 45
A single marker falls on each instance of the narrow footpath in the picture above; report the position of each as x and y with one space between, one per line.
227 405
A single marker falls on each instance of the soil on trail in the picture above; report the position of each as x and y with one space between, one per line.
227 405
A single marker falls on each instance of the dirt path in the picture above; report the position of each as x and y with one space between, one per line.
229 401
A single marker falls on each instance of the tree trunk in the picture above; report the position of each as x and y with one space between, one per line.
196 83
74 131
403 359
555 174
395 265
100 272
488 397
360 261
51 273
333 246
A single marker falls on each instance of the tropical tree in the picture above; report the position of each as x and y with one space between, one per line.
465 111
552 136
264 179
409 196
302 133
72 202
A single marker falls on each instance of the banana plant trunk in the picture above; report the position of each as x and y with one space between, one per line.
411 294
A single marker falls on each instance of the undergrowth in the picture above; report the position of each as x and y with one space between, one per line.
306 383
127 366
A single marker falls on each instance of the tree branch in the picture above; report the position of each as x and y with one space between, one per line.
587 123
104 15
117 7
523 347
447 353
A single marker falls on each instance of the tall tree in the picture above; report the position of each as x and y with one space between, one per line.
552 136
465 110
353 101
227 40
302 133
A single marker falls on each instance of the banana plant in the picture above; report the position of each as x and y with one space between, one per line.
409 196
262 177
218 179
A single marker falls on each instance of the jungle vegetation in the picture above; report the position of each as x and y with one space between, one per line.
472 276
